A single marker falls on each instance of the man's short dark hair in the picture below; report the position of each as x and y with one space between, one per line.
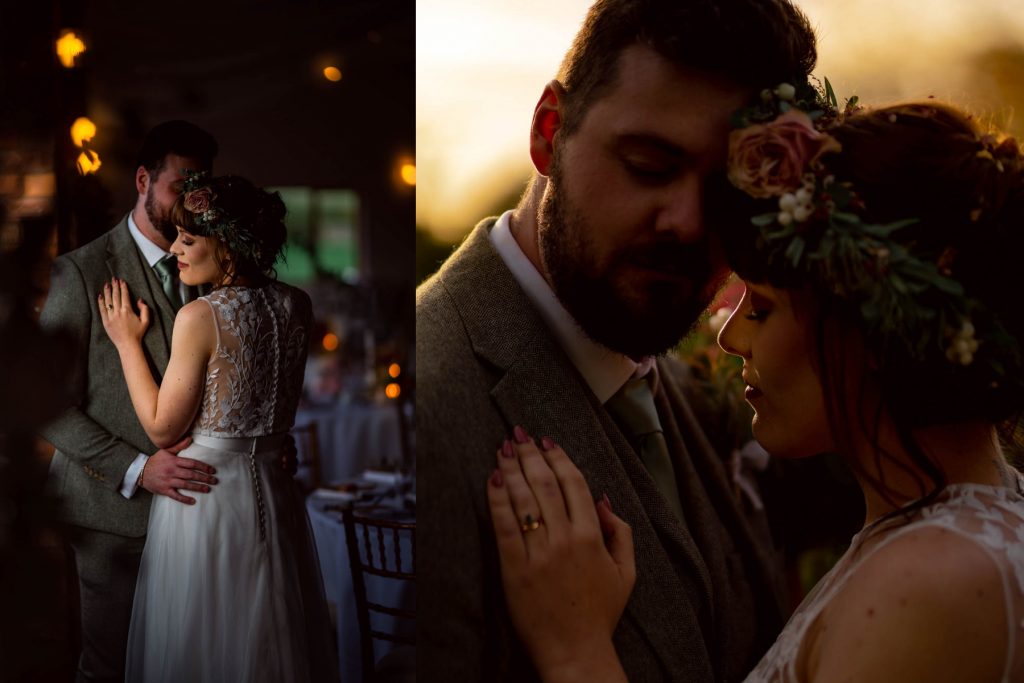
753 43
176 137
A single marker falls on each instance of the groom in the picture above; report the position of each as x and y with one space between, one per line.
105 468
552 316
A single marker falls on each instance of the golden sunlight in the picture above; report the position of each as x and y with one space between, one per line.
477 83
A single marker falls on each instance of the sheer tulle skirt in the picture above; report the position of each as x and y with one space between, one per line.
215 601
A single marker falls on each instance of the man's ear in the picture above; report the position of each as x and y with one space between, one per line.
142 180
547 120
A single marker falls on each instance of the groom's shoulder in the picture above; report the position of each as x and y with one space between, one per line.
441 298
96 249
473 258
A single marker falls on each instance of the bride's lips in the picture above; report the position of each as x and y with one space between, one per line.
182 266
751 392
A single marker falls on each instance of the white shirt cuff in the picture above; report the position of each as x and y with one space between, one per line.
130 483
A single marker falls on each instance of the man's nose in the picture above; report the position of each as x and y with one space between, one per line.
682 211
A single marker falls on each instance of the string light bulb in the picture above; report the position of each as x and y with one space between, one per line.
69 47
82 131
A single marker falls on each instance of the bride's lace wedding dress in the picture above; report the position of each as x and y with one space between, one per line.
229 588
987 517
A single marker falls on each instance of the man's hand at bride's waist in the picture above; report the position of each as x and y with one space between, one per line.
166 472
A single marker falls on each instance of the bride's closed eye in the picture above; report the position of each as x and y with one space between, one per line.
760 307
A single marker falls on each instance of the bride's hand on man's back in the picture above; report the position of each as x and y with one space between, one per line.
567 565
119 320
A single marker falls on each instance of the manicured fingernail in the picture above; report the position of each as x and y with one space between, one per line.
547 443
520 434
507 450
497 479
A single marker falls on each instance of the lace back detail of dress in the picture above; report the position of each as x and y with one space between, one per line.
255 376
991 517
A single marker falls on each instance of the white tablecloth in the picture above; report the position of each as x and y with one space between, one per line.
329 534
353 437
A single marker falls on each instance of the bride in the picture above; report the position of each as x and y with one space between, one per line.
877 322
229 587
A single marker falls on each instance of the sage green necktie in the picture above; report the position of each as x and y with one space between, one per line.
632 407
167 270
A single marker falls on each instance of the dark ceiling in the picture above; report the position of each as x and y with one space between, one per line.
251 74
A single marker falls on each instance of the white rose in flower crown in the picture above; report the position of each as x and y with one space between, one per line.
785 92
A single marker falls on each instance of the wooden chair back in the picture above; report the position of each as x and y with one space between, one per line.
375 548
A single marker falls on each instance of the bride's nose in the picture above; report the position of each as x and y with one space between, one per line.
732 338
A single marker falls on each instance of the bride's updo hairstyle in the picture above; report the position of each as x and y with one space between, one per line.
965 187
247 222
953 194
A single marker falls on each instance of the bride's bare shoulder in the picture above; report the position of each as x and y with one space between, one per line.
928 605
194 326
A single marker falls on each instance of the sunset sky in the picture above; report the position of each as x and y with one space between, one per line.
481 67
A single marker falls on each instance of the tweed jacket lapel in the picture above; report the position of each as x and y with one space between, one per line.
125 262
541 390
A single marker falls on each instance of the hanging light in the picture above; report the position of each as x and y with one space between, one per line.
88 162
82 130
332 73
69 47
392 390
408 173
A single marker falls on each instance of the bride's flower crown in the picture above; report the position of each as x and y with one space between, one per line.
818 231
199 198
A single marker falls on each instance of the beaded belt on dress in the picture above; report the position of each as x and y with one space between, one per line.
251 445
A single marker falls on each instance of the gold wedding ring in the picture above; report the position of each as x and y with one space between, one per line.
530 524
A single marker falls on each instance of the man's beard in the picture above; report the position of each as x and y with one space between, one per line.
163 223
634 316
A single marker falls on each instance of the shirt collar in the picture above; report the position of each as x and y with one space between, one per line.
604 370
151 252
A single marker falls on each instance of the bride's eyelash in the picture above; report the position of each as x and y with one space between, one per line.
757 314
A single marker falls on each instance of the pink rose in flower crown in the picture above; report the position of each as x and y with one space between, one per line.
768 160
198 201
